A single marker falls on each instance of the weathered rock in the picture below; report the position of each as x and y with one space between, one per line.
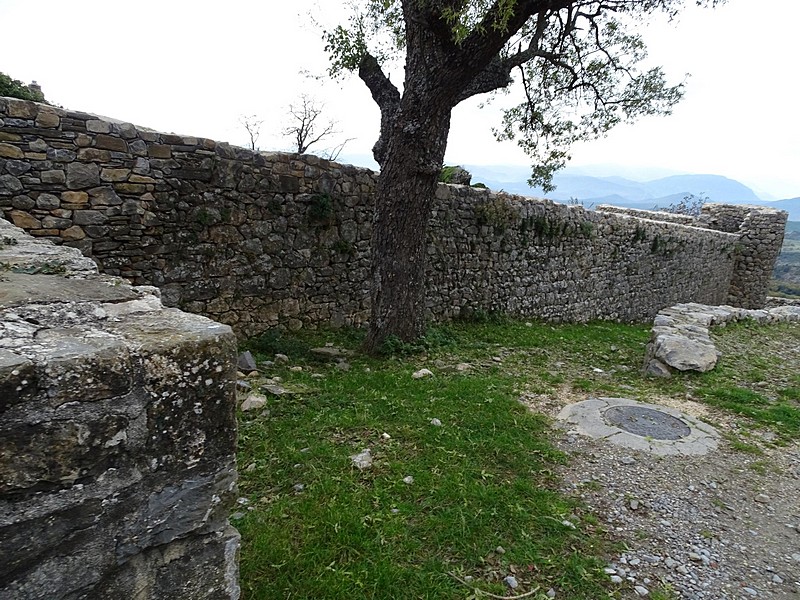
253 402
684 353
246 363
119 414
82 175
680 334
362 460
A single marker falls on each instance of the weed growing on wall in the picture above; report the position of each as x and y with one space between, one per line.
321 211
497 213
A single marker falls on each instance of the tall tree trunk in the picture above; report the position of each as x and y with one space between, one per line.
406 188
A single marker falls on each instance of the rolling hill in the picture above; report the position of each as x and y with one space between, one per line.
573 185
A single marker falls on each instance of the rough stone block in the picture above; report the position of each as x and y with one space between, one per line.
120 418
81 176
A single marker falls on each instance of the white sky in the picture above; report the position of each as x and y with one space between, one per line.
195 67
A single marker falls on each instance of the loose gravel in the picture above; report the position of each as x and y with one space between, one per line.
725 525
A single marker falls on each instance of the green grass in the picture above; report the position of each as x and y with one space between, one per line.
483 479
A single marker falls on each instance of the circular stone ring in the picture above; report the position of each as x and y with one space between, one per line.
647 427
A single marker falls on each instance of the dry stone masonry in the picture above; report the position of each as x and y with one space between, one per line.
760 230
117 433
276 240
680 340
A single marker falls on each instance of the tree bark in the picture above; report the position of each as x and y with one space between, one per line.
406 189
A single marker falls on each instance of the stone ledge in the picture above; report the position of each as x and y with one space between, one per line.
117 435
680 339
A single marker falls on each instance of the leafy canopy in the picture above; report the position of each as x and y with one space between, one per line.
577 65
14 88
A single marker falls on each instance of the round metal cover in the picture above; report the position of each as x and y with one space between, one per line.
646 422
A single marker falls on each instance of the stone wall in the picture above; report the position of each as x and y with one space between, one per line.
760 230
517 255
265 240
117 436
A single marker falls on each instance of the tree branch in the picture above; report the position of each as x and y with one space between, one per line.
386 96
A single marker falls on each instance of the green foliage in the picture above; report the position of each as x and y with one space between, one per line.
204 217
496 212
321 210
14 88
656 244
343 247
482 479
580 66
480 186
44 268
448 171
481 316
434 338
273 342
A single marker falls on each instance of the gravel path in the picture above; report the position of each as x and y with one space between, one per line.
723 525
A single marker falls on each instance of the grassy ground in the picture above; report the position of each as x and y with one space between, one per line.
450 510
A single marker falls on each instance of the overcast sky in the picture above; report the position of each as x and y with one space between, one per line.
195 67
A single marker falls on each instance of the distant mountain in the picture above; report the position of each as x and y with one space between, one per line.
572 184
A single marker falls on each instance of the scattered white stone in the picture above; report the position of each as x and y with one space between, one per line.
436 422
511 582
616 579
386 436
296 369
627 460
282 358
422 373
777 579
408 480
634 504
762 499
750 591
298 487
253 402
568 524
362 460
275 389
551 593
640 590
596 370
500 550
463 367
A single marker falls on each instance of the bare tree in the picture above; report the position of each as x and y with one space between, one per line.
253 126
307 127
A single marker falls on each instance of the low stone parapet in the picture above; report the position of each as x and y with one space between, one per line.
680 339
117 436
